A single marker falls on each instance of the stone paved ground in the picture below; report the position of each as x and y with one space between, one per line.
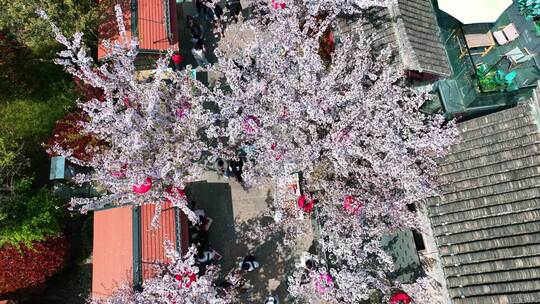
234 211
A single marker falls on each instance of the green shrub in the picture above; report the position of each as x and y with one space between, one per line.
31 121
25 217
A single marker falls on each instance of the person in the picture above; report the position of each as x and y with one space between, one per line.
195 29
199 53
218 12
271 300
311 265
235 167
221 166
215 17
201 7
177 60
206 256
249 263
235 7
204 221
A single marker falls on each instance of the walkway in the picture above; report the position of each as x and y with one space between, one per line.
235 212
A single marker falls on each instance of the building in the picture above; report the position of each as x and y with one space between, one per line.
153 22
126 247
464 93
486 224
411 25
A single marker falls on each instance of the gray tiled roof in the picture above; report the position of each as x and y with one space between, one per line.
487 219
412 26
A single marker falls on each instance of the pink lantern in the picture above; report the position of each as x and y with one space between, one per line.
400 298
177 58
120 173
183 110
278 5
351 205
323 283
251 124
144 187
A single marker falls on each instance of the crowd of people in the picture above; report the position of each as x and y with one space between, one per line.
214 17
234 281
231 168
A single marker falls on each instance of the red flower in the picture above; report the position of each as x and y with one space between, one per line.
279 153
192 278
175 192
127 103
24 269
251 124
189 275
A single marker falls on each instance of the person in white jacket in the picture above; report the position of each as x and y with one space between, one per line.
271 300
199 53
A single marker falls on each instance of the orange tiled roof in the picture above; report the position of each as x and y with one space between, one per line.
118 248
155 29
112 261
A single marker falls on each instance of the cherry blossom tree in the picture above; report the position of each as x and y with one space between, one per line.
150 125
351 124
177 282
348 121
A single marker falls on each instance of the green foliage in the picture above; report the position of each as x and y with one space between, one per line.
31 121
488 83
20 18
28 47
25 217
12 164
496 80
34 94
530 9
29 73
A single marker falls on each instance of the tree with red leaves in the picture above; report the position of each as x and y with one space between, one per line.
69 137
24 269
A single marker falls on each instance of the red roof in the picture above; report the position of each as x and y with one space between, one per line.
112 261
156 30
113 258
152 239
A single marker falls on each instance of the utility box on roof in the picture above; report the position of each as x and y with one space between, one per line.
60 170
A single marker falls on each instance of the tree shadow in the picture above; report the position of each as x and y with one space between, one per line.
277 260
216 200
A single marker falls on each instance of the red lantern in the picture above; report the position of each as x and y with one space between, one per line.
305 205
145 187
400 298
